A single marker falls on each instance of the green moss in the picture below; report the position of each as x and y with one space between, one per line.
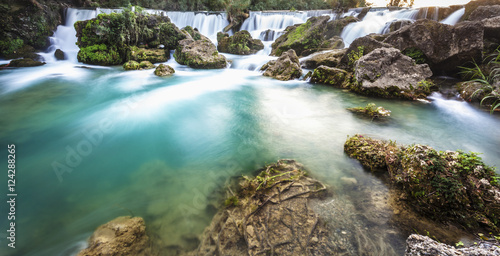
416 54
231 201
8 47
99 55
355 55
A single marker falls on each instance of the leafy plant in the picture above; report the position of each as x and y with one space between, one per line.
355 55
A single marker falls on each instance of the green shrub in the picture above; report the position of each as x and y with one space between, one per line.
99 54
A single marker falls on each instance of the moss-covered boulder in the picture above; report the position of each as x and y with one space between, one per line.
271 212
386 72
240 43
371 111
199 54
330 58
314 35
111 39
330 76
285 68
25 62
59 54
134 65
358 48
154 55
164 70
450 186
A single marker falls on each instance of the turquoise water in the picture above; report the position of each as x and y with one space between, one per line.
97 143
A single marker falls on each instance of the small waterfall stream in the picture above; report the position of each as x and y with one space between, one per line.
454 17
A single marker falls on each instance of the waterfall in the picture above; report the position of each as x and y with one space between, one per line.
375 22
454 17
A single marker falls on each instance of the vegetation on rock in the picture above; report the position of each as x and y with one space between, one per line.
240 43
447 186
371 111
199 54
285 68
330 76
164 70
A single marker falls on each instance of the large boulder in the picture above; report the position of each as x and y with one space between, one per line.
386 72
418 245
485 12
286 67
330 76
164 70
25 62
199 54
329 58
446 186
271 213
112 39
359 47
240 43
492 29
314 35
59 54
445 47
122 236
471 6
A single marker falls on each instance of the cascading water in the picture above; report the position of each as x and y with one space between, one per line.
454 17
375 22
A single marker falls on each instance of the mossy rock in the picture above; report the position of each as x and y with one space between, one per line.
164 70
146 65
131 65
330 76
240 43
371 111
99 54
447 186
200 54
25 62
151 55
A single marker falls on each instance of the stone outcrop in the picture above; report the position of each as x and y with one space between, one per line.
270 214
112 39
445 186
134 65
485 12
330 76
471 6
359 47
386 72
59 54
122 236
492 29
314 35
418 245
445 47
199 54
25 62
286 67
240 43
330 58
164 70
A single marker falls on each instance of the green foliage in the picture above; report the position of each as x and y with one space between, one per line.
10 46
231 201
400 3
485 75
416 54
99 54
355 55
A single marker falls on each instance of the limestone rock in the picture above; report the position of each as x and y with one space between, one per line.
286 67
25 62
199 54
485 12
314 35
386 72
492 29
329 58
59 54
359 47
446 47
330 76
164 70
122 236
418 245
240 43
272 213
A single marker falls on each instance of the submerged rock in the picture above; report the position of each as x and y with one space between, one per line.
285 68
240 43
316 34
270 214
164 70
417 245
446 186
371 111
25 62
199 54
445 47
122 236
386 72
